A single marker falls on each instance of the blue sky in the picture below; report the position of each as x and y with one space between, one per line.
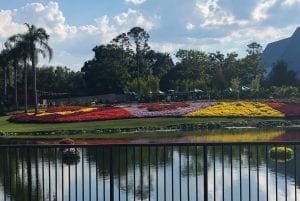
76 26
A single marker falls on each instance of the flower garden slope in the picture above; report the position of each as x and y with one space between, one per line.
289 109
166 110
237 109
81 115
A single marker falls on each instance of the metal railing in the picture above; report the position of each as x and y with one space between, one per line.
202 171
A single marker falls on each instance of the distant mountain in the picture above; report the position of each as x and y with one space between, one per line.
287 50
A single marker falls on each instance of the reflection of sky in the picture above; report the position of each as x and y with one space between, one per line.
88 179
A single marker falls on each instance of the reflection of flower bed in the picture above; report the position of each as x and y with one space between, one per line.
237 109
86 114
247 136
283 154
138 111
289 109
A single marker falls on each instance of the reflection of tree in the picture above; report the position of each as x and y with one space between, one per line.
16 175
134 168
129 163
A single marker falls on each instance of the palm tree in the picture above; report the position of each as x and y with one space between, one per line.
14 57
23 48
4 64
37 43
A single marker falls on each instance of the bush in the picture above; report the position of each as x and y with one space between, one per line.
284 92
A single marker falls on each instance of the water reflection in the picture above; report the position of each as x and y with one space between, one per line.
143 172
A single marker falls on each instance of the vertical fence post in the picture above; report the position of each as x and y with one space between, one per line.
111 174
205 173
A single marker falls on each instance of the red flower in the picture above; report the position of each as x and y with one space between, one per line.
102 113
289 109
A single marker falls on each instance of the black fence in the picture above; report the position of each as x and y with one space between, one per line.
215 171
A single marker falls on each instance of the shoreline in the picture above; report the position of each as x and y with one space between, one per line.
185 125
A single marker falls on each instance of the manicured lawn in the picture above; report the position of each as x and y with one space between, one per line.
6 126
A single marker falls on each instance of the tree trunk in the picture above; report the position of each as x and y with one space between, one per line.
5 84
138 75
16 85
34 85
25 84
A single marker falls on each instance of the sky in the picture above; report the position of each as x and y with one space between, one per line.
76 26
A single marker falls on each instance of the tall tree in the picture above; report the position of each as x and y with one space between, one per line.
22 47
4 64
254 48
14 56
235 86
37 40
140 38
251 65
280 75
106 73
255 85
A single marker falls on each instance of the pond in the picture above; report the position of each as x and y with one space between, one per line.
143 171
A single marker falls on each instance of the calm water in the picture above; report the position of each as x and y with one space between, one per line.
142 171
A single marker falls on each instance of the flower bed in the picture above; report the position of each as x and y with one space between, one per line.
192 109
151 107
237 109
164 110
101 113
289 109
63 108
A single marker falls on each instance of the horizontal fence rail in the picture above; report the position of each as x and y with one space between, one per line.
197 171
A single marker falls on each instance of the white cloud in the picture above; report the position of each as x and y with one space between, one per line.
108 27
213 15
260 12
135 2
290 2
47 16
234 41
133 18
189 26
72 45
7 26
169 47
263 35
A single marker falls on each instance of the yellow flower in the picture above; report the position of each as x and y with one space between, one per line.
84 110
237 109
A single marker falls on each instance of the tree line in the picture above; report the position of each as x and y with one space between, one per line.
20 50
128 64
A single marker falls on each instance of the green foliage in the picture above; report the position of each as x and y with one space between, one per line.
280 75
129 63
147 85
255 85
107 72
284 92
235 86
59 80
